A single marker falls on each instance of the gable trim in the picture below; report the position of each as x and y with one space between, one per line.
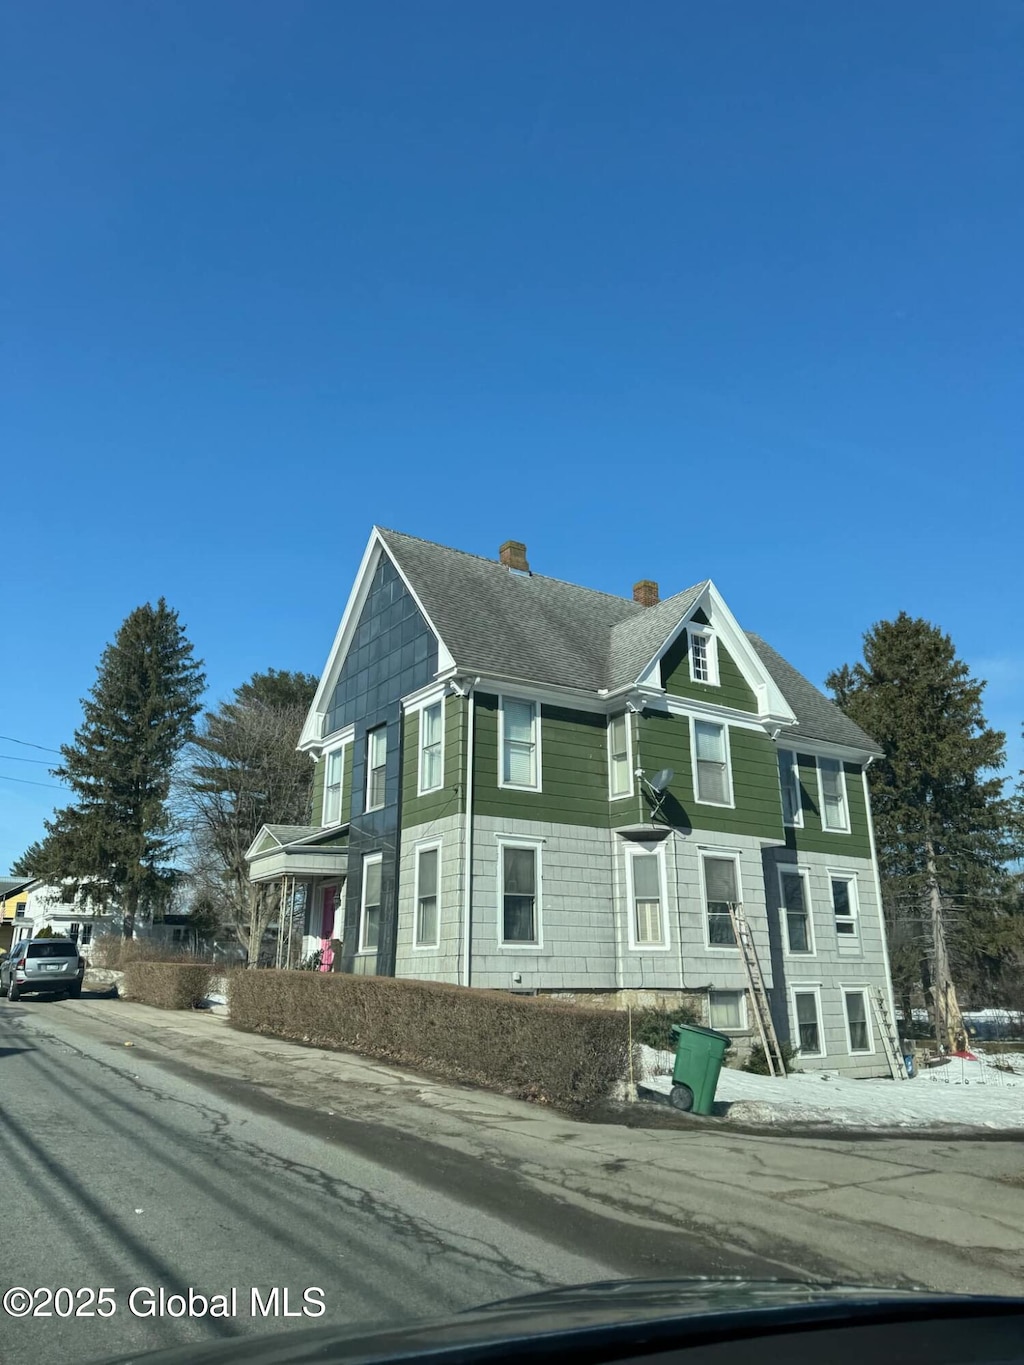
772 705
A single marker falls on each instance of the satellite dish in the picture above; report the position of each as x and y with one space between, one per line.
659 782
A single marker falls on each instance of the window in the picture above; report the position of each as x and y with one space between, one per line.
519 764
431 748
519 878
727 1009
369 916
620 769
647 926
73 932
86 935
176 935
832 785
376 767
333 770
789 780
808 1023
67 895
796 910
712 783
703 657
844 904
428 869
720 891
858 1029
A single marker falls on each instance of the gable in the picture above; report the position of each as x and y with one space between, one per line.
745 683
732 688
392 651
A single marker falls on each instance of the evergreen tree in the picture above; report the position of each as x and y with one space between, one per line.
943 828
244 771
115 842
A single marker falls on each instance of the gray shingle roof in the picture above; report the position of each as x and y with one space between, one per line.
817 717
542 630
8 885
287 834
637 640
493 621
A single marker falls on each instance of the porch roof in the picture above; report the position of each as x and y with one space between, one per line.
297 851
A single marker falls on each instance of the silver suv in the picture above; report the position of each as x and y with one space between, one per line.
39 966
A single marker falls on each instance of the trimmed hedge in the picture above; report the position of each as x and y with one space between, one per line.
536 1049
169 985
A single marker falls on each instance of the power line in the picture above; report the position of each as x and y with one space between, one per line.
13 758
9 739
27 782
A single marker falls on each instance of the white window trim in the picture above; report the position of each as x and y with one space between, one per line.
734 857
711 639
806 988
424 846
537 727
842 874
744 1025
721 805
631 853
621 796
367 808
324 822
862 991
833 829
368 860
520 841
797 870
794 770
421 790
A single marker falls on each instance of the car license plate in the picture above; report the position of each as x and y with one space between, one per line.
53 966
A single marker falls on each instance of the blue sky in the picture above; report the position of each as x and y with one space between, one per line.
672 291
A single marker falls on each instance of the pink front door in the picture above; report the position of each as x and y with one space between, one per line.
330 907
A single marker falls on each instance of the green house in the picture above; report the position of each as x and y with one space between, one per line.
527 785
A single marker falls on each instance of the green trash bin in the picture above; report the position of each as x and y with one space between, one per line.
699 1056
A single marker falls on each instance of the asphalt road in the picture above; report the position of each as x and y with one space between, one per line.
123 1174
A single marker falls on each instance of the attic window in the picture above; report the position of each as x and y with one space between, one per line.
703 657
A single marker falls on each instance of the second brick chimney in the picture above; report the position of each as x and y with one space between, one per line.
513 555
646 592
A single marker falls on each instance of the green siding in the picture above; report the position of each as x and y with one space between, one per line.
346 781
418 810
316 808
574 769
812 838
268 841
665 743
732 690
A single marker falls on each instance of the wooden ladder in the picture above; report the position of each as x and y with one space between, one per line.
890 1043
756 990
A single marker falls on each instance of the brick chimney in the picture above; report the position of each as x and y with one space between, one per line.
513 555
646 592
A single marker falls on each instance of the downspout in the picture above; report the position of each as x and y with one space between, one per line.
467 879
878 893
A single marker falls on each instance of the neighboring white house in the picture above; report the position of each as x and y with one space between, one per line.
65 913
69 915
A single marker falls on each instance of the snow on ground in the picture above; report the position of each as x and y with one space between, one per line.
963 1093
